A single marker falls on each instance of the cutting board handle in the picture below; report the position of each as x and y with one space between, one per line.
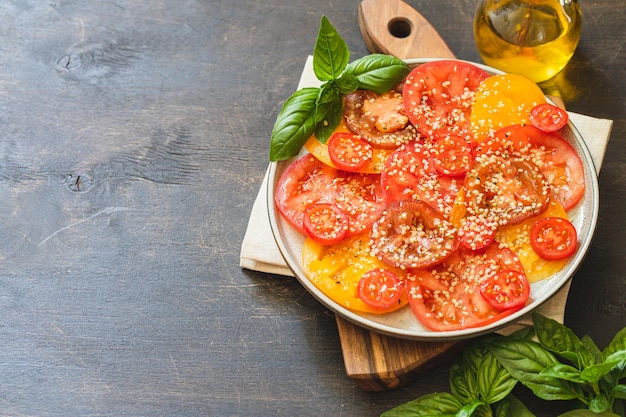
395 28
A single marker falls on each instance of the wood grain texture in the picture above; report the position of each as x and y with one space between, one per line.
377 363
133 140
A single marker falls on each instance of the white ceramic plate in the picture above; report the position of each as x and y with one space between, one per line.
403 323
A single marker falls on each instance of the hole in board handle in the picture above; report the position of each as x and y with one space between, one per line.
400 27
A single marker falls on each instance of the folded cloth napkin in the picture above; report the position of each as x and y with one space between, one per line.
260 252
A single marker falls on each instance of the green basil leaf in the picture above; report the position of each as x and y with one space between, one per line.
462 381
494 381
566 372
294 125
511 406
600 404
618 343
378 72
594 373
347 84
440 404
329 111
559 339
331 54
619 391
525 360
591 346
476 409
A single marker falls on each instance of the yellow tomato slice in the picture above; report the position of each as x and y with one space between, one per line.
320 151
336 270
501 101
517 238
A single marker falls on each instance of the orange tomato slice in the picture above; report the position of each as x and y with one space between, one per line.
503 100
336 271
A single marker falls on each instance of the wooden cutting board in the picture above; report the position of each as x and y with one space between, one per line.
377 362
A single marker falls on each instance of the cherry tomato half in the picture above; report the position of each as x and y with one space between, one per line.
325 223
348 152
553 238
452 155
380 288
506 289
548 117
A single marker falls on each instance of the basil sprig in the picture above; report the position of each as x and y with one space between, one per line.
556 366
319 110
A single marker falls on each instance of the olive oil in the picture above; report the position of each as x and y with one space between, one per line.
535 38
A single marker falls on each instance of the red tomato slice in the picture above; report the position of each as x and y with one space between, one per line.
348 152
506 289
553 238
438 96
505 191
410 174
325 223
555 157
447 297
412 234
548 117
380 288
452 155
477 232
300 186
308 181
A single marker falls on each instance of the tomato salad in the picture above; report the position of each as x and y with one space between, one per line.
448 193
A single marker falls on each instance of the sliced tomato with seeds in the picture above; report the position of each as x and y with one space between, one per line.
506 191
308 181
379 118
380 288
300 186
412 234
326 223
477 232
447 297
438 96
506 290
553 238
409 173
452 155
348 152
548 117
555 157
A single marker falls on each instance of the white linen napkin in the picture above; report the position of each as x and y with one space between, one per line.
259 251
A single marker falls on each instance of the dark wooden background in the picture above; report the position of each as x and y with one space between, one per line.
133 139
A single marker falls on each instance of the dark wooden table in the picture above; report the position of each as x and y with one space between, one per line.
133 140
